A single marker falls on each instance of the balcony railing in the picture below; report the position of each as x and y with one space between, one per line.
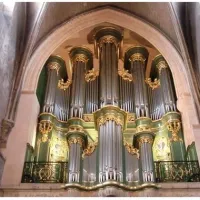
45 172
165 171
177 171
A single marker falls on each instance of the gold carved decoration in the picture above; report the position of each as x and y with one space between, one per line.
91 75
145 139
142 128
75 129
109 117
132 150
80 58
174 127
161 65
45 127
125 75
90 149
88 118
64 85
155 84
76 140
54 66
131 118
137 57
108 39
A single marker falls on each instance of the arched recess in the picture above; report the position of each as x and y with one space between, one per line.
79 23
154 36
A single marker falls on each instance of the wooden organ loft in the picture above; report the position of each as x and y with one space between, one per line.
108 126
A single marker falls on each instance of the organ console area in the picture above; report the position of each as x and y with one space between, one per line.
109 125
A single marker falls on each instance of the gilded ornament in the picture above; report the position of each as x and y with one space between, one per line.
54 66
90 149
44 138
91 75
132 150
145 139
45 127
125 75
80 58
76 140
161 65
174 127
64 85
108 39
109 117
88 118
143 128
137 57
131 118
155 84
75 129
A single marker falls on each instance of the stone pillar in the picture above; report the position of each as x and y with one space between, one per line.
23 132
77 141
137 57
81 61
107 41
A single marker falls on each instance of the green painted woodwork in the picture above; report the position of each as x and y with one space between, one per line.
41 87
29 157
191 154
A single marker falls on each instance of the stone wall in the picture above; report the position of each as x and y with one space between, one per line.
54 190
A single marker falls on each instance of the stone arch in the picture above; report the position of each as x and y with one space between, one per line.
154 36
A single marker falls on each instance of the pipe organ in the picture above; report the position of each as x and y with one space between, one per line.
109 124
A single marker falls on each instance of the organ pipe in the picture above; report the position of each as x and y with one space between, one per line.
81 58
52 79
137 57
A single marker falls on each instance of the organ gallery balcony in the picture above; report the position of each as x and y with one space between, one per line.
57 172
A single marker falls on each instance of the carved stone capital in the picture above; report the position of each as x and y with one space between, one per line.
6 127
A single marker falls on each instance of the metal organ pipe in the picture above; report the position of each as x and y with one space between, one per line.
52 80
80 58
137 56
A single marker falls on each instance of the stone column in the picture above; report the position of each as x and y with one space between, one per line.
107 41
23 133
137 57
81 61
77 141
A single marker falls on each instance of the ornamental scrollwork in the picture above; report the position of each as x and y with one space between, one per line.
155 84
174 127
45 127
145 139
125 75
108 39
88 118
90 149
54 66
76 140
64 85
132 150
109 117
75 129
91 75
80 58
137 57
161 65
142 128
